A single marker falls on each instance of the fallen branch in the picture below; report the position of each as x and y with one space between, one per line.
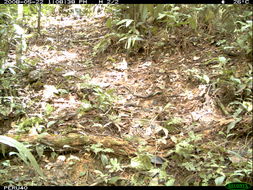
78 141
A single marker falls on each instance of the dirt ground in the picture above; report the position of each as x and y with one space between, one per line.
150 89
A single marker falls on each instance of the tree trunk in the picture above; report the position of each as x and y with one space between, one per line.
20 39
39 18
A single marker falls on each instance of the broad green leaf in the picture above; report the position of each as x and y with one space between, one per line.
189 166
161 15
23 152
142 162
49 109
128 22
40 150
121 22
104 159
50 123
219 180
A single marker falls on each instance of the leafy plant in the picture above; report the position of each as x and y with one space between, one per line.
98 148
173 17
207 165
148 174
23 154
141 162
104 44
197 76
105 98
172 124
10 105
104 177
28 123
236 90
114 165
85 106
49 109
244 38
94 96
186 147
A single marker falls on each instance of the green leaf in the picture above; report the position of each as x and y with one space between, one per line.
158 9
236 80
49 109
222 60
219 180
104 159
40 150
138 38
62 91
82 174
150 8
50 123
141 162
161 15
174 139
206 79
233 124
247 106
109 23
96 148
170 182
192 22
24 153
144 12
113 180
3 148
12 70
2 71
154 181
128 22
122 39
18 29
129 42
189 166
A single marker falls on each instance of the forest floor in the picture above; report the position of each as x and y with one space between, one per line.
143 100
